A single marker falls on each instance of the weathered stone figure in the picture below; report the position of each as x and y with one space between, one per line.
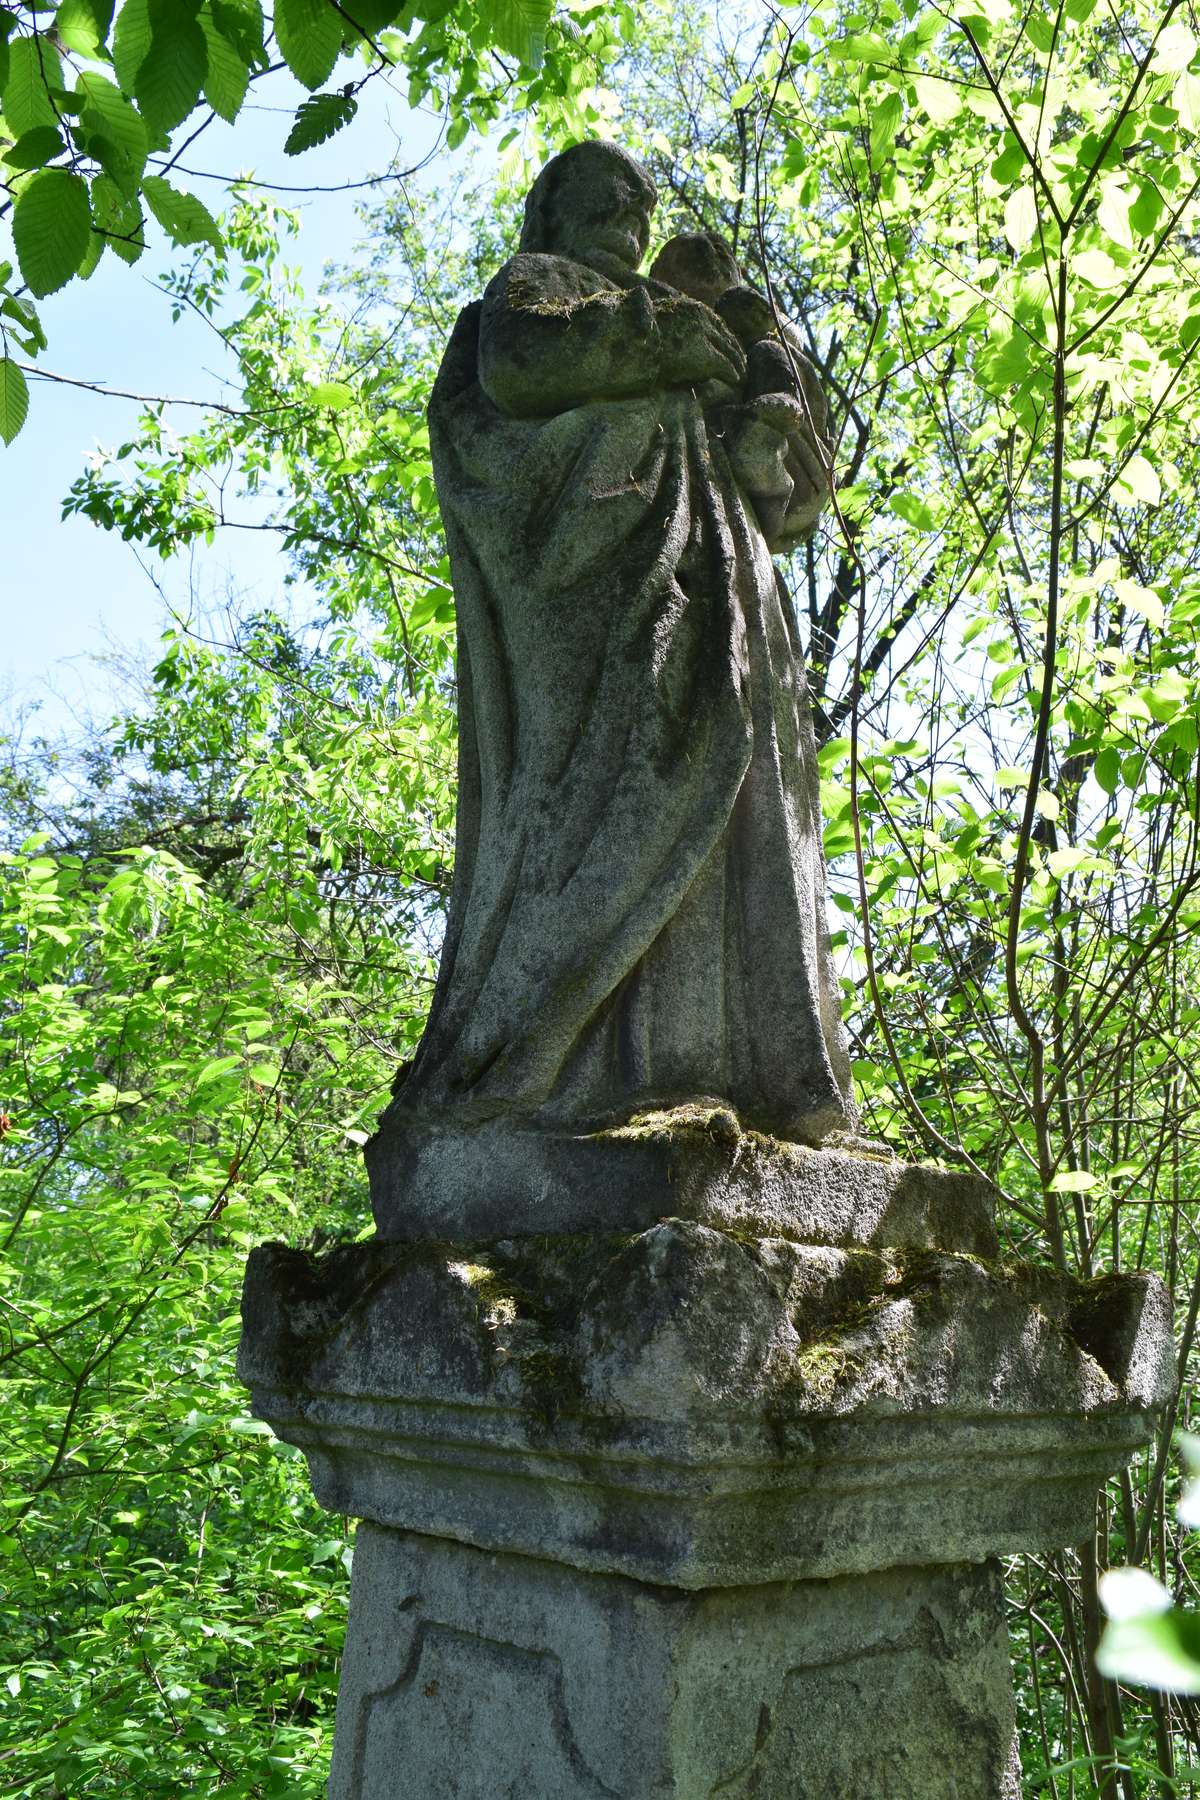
638 911
684 1430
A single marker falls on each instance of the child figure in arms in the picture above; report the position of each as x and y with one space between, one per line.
776 433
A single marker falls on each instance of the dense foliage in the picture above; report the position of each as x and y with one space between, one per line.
219 917
97 112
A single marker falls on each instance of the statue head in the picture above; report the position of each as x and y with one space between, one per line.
697 263
591 199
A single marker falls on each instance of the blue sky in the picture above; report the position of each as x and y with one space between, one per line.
68 590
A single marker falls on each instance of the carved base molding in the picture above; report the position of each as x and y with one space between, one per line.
689 1510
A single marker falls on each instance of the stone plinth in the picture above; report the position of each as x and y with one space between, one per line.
692 1508
474 1674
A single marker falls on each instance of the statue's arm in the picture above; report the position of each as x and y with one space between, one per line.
553 336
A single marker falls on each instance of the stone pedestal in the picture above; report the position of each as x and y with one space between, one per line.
471 1673
705 1504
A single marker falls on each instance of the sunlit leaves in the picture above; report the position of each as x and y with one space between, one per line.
318 119
1174 47
335 395
14 399
519 26
1185 98
83 25
145 991
1138 481
172 72
1020 216
34 76
152 65
885 122
1113 212
227 74
131 41
939 98
309 33
116 134
52 224
1158 1647
185 218
118 219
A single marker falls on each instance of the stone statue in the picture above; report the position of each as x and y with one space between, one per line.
678 1449
770 431
638 914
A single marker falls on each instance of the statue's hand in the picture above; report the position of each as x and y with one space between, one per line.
695 345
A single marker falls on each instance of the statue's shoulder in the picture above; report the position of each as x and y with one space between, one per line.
535 281
460 360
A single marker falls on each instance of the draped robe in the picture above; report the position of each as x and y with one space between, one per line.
637 917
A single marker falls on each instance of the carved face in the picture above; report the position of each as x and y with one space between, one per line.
698 264
600 207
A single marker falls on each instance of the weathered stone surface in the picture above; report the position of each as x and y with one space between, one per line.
489 1677
701 1408
458 1182
638 914
683 1422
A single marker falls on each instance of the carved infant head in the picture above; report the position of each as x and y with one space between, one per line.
699 264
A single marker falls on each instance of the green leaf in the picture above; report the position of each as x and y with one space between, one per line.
1039 31
1074 1181
318 119
14 399
1113 213
1067 860
938 97
1141 479
119 219
1174 48
228 76
131 42
864 47
519 26
1107 769
1155 1649
1010 164
885 122
52 227
117 132
218 1067
1098 269
83 25
309 33
913 511
171 74
34 68
92 255
1185 98
1020 216
24 312
333 394
34 149
1080 10
1001 365
184 218
1147 210
241 21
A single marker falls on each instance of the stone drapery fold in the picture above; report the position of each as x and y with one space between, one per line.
638 908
